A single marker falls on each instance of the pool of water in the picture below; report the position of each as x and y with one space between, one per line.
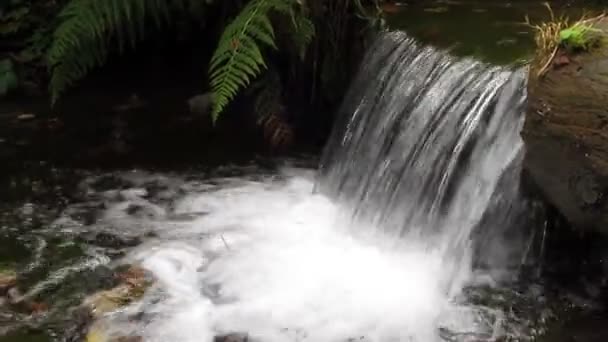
494 31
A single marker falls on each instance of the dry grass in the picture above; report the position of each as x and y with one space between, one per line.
547 38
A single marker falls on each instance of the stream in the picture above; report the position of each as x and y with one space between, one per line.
410 226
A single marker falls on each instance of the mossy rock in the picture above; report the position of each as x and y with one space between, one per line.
566 135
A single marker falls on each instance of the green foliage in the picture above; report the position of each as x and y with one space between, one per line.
579 36
238 58
268 93
13 19
8 77
88 28
25 26
303 33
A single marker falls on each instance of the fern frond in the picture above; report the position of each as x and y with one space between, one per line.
303 32
87 27
271 113
238 58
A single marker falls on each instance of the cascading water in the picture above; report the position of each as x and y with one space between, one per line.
422 143
379 252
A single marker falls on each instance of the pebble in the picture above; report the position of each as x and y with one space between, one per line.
24 117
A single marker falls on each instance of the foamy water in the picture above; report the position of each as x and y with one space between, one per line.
270 258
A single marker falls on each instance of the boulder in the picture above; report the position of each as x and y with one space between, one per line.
566 135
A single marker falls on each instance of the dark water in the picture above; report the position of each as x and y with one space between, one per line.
494 31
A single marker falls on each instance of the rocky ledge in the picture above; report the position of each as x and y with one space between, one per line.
566 134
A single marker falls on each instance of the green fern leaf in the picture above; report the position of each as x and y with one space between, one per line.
82 40
238 57
303 33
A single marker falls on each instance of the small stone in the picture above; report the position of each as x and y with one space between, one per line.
14 296
25 117
8 279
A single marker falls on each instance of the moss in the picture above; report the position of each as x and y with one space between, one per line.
561 32
579 37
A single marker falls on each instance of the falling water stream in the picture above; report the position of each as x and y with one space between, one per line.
376 246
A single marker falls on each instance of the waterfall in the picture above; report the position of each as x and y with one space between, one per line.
421 142
373 247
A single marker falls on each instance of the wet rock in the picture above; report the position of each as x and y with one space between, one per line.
201 104
8 279
90 325
14 296
76 325
19 303
101 277
232 338
108 240
144 211
103 302
566 136
133 283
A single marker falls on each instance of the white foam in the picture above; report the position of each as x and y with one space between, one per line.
275 261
